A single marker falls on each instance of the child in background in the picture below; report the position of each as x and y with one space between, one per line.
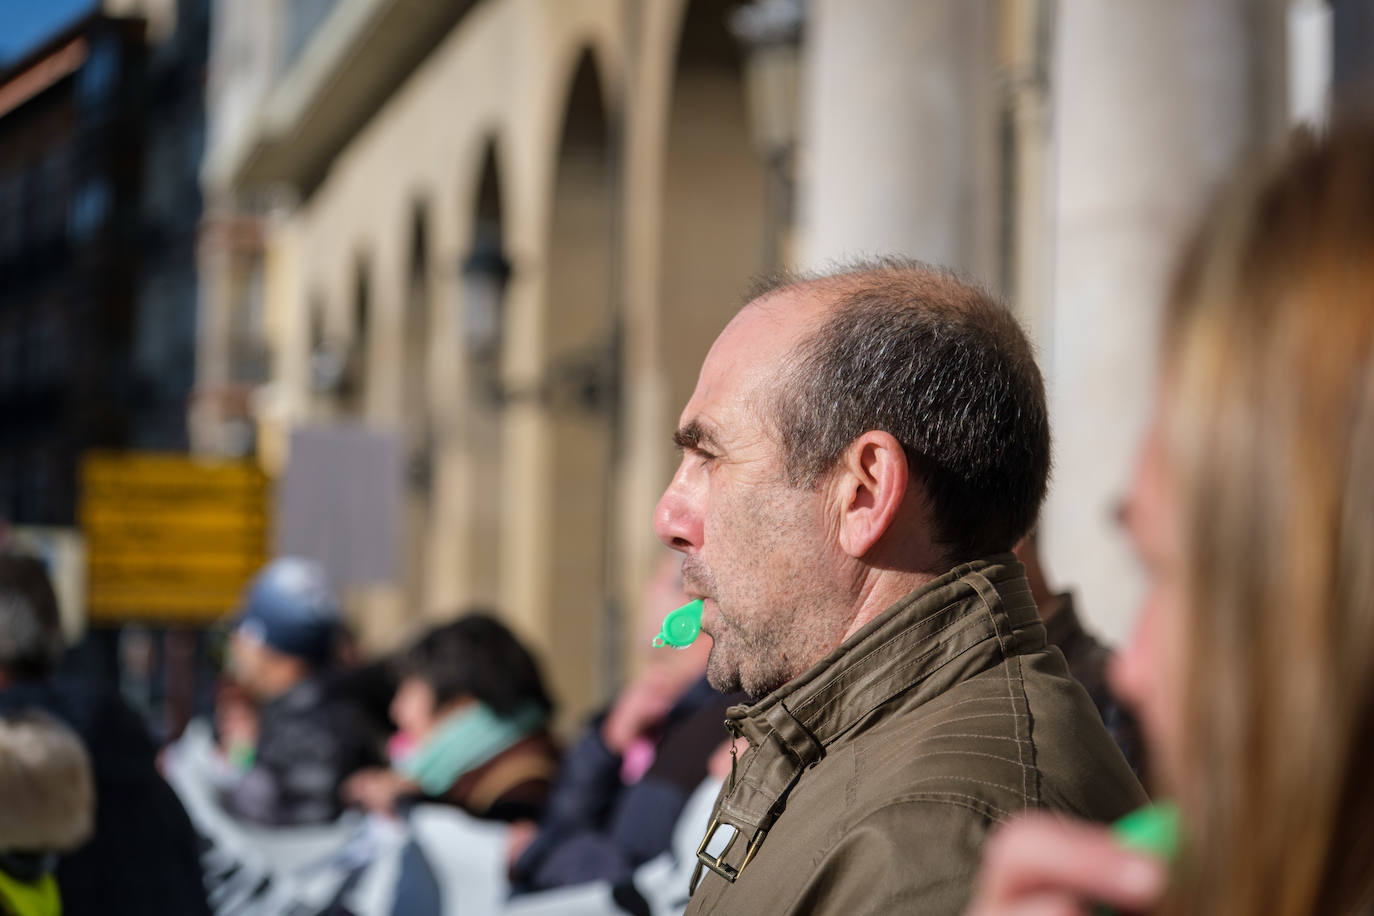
472 714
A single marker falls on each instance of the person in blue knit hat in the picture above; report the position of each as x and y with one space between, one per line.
310 735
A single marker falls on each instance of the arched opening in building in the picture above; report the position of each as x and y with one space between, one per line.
416 414
486 269
714 196
360 339
581 377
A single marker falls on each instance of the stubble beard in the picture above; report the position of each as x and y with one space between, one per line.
778 619
741 659
738 663
757 650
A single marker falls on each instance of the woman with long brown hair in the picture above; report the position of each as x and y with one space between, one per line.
1253 511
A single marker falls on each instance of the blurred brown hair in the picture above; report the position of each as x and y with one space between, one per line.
1269 363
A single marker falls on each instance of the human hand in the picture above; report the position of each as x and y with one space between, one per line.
641 706
1041 865
376 789
237 724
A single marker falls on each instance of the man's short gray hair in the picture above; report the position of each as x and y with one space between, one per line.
944 368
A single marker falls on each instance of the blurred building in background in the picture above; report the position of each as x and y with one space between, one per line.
101 136
100 141
488 243
173 142
71 163
502 234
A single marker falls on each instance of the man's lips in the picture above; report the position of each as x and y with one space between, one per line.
709 613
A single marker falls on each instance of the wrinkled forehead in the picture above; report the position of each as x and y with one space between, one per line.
748 358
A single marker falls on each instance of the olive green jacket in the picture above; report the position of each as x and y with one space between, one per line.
871 781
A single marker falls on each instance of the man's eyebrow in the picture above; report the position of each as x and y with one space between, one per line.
693 435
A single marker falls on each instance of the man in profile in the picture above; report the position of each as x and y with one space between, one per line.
861 453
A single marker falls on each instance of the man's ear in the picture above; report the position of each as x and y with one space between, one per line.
872 482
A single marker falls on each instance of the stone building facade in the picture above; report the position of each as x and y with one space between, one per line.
504 233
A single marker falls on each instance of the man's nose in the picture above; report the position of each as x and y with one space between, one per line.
677 521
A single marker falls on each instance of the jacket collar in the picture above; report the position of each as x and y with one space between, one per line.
1063 626
919 646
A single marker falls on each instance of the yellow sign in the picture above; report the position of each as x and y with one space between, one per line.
170 538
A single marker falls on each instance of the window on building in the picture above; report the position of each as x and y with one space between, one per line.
43 347
303 18
99 75
54 178
27 205
362 328
9 487
164 332
9 356
162 175
9 214
27 500
193 143
90 209
249 358
37 489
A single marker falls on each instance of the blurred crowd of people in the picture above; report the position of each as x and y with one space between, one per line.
303 731
1244 697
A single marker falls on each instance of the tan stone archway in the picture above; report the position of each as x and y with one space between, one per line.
694 237
562 459
416 432
711 242
483 441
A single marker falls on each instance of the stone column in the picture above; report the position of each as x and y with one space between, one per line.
899 116
224 237
1154 102
214 264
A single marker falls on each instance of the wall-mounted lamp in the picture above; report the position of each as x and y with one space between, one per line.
586 380
333 365
770 32
485 274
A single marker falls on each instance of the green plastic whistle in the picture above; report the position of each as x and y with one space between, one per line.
681 627
1152 830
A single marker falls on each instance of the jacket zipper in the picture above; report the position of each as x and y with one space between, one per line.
735 735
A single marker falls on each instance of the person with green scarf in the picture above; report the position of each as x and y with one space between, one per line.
472 714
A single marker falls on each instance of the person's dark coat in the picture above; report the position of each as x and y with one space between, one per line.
310 740
145 856
599 829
